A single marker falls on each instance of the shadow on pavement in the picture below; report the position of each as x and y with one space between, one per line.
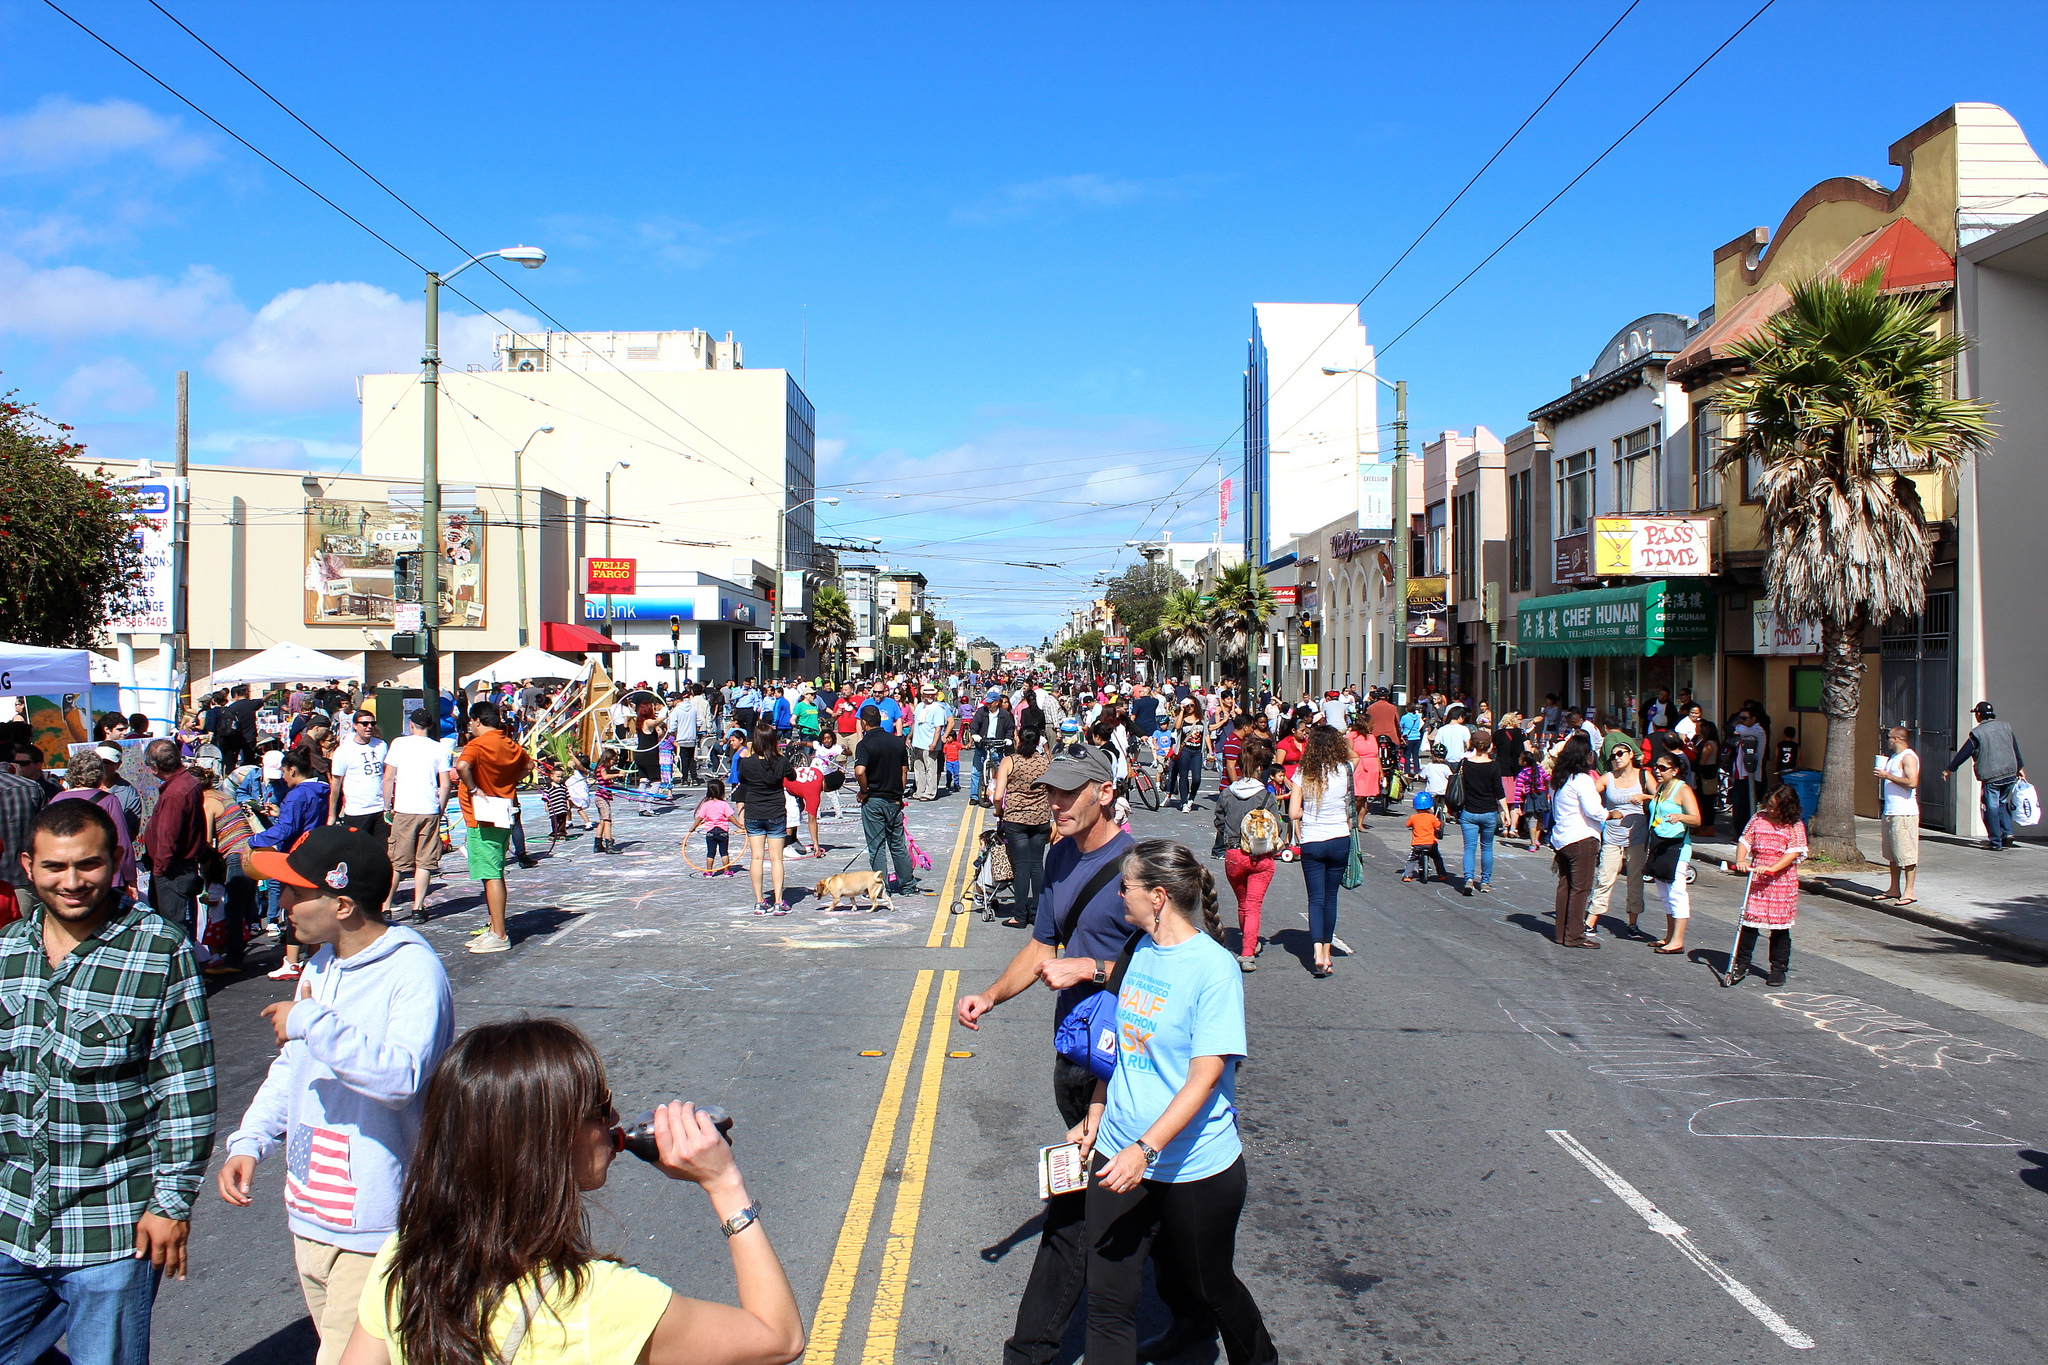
291 1345
1024 1233
2038 1177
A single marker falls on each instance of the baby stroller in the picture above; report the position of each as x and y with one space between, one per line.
991 875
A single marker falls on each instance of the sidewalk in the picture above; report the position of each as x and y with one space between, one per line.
1997 898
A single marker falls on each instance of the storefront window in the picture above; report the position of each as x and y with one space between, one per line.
1635 471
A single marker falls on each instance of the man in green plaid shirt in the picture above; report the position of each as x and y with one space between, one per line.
106 1100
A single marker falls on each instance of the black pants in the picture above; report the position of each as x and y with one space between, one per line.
241 908
1781 948
1026 847
1741 801
1060 1269
686 763
1191 1228
174 894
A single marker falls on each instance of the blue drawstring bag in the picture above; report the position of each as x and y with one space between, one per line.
1088 1035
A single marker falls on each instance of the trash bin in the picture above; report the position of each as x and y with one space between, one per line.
1806 782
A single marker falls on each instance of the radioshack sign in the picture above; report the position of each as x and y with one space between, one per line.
610 577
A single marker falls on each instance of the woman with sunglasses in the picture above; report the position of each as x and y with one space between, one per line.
1674 815
493 1261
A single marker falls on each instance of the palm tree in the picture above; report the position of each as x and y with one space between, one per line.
1183 625
1843 389
831 623
1242 606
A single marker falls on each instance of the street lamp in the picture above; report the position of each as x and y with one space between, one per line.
531 257
519 521
781 569
616 466
1400 520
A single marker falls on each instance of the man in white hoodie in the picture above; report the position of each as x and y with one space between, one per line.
373 1014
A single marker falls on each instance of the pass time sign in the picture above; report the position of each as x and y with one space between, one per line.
615 577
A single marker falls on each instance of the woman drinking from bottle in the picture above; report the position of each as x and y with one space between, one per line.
1161 1135
492 1260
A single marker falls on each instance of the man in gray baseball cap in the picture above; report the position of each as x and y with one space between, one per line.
1075 941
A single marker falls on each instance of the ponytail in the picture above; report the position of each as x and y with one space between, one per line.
1190 887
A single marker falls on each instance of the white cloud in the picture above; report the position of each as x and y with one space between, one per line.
61 134
669 240
69 302
1052 194
305 347
109 385
263 450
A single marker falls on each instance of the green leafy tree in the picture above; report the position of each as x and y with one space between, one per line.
68 557
1840 392
1238 614
1138 595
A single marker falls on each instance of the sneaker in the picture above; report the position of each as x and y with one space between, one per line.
763 908
1246 964
1486 886
782 908
419 917
488 942
911 889
286 971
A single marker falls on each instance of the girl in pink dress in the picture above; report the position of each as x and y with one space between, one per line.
1769 850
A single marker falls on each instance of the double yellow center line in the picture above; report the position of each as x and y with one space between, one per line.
835 1303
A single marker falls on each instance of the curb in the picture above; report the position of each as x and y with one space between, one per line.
2022 945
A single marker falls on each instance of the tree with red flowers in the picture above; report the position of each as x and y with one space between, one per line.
68 555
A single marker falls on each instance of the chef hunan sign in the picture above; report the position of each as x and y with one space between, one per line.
1652 547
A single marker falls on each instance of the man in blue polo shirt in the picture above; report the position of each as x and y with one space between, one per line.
1073 948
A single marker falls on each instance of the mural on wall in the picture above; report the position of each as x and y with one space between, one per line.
351 550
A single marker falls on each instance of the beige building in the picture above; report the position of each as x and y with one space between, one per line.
709 467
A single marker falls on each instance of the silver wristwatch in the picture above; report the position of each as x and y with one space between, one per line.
1151 1152
742 1220
1101 972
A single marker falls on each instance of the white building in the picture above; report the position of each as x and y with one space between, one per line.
1306 433
857 581
707 460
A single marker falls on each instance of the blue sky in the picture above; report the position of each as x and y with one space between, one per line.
1027 237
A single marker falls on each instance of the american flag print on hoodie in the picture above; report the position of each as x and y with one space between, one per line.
316 1183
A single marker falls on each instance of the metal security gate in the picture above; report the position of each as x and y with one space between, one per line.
1917 689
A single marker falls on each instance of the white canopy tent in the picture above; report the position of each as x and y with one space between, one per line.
287 662
527 663
26 669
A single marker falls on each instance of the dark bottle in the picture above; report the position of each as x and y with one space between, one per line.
637 1137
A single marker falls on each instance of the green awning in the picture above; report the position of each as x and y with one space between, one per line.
1646 620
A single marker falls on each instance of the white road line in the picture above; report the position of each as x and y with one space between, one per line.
1661 1224
568 929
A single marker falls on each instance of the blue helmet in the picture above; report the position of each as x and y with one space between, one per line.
1423 800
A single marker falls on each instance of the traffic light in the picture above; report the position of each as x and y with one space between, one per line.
405 577
664 659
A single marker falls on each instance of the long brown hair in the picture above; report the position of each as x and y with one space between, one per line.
1326 752
491 1195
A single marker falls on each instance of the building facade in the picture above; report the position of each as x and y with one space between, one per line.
704 462
1308 434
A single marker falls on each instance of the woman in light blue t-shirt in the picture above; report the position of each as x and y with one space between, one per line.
1169 1176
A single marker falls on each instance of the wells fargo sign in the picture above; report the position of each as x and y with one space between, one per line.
616 577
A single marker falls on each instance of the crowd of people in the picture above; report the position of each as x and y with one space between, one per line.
291 814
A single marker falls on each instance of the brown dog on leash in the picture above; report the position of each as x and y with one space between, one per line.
851 886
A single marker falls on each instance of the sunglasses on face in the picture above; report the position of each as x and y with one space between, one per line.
603 1112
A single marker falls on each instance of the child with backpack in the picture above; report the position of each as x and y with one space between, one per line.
1425 830
1250 825
1530 801
714 817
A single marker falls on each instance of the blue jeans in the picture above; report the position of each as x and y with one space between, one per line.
1411 754
1480 825
881 824
1322 867
1186 782
102 1311
1998 810
985 758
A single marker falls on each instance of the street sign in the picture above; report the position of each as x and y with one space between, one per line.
760 637
1115 640
408 616
1265 658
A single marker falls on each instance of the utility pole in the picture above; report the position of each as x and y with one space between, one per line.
430 511
1401 541
181 546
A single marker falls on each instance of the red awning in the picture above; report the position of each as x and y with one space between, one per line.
1909 258
565 637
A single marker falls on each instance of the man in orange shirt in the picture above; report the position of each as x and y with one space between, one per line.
490 766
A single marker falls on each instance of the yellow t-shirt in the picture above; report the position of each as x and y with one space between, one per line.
605 1325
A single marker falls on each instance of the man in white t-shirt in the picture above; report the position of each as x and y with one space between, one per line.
1454 737
417 776
355 789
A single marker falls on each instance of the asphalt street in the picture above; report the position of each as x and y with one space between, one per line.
1467 1145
